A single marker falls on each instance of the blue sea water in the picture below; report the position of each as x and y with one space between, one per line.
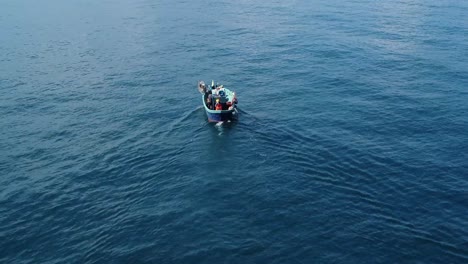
351 147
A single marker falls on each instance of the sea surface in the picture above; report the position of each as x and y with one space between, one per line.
351 145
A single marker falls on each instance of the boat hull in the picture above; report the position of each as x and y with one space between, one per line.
228 100
220 116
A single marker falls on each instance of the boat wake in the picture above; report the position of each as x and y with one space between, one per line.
180 122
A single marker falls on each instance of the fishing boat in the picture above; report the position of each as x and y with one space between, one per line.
219 102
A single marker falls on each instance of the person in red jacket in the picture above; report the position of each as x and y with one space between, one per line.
218 105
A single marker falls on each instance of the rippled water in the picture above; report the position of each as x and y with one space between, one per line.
351 145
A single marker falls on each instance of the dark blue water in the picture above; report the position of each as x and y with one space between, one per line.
351 146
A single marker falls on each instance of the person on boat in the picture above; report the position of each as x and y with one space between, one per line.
218 105
208 101
217 90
